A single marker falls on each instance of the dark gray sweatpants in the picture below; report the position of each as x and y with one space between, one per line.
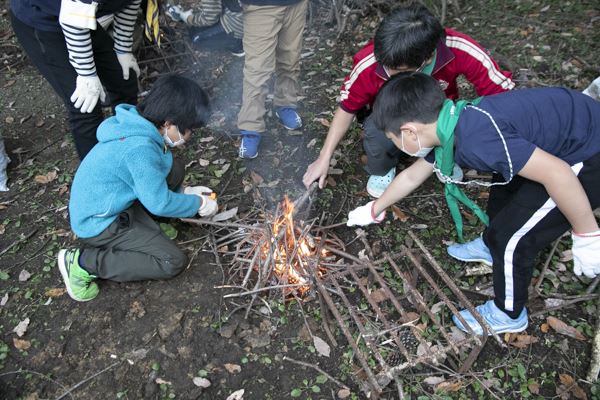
133 247
382 154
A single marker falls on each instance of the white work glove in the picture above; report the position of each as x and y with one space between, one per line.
594 89
363 215
208 206
178 14
128 61
87 91
586 254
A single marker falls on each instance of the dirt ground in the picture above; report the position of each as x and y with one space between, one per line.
154 340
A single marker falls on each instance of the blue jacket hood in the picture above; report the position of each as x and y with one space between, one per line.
127 122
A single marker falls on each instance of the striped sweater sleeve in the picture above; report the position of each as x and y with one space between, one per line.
79 46
233 23
208 14
123 27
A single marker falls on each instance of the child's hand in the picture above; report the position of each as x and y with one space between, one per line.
586 254
363 215
208 198
178 14
316 170
209 207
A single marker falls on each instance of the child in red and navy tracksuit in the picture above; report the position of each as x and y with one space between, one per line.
408 39
544 143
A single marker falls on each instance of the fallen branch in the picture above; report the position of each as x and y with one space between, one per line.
566 303
316 368
291 285
203 221
546 264
18 241
27 371
68 392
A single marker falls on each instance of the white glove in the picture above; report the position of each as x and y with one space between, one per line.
178 14
594 89
209 207
87 91
586 254
128 61
363 215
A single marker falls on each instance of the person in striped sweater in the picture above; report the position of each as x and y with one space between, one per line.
408 39
214 24
68 43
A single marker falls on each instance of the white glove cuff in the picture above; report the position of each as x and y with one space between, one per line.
377 218
589 234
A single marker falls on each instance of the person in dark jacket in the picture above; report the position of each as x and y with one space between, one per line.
68 43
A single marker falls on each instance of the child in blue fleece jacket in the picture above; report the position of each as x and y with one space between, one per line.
129 171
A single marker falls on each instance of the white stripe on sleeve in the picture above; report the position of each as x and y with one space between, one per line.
493 73
355 73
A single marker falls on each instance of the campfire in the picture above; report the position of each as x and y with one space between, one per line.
277 253
291 250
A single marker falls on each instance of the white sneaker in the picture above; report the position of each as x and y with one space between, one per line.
377 184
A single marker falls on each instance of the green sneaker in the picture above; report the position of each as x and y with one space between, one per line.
80 283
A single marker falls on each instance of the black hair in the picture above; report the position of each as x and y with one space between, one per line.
407 97
178 100
407 37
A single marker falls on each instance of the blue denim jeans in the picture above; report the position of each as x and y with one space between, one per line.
214 38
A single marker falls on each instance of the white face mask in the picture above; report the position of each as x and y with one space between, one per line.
170 142
422 152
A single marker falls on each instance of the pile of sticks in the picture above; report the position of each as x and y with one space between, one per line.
280 255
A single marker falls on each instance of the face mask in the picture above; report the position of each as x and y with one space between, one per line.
422 152
170 142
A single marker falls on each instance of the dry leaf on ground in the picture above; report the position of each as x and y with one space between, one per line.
24 275
233 368
379 295
256 178
55 292
201 382
21 344
45 179
399 214
321 346
237 395
449 386
521 341
21 328
225 215
434 380
323 121
564 328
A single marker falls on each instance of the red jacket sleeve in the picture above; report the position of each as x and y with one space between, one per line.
475 63
362 84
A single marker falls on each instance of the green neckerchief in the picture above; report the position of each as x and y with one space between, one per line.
444 159
428 69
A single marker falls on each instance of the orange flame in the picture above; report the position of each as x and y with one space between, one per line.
290 255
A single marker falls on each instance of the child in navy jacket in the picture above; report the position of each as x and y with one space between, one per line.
544 143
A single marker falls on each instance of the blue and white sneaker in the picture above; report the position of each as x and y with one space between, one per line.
289 118
497 319
249 144
473 251
376 184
